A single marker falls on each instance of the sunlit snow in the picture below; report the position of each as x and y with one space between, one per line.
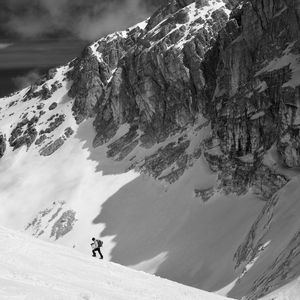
33 269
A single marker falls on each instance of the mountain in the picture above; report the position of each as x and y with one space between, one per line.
32 269
176 141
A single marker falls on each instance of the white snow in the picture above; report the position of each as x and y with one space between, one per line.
141 25
257 115
109 38
287 59
94 47
194 14
262 87
248 158
31 269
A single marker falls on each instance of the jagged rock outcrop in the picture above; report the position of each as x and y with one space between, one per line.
64 224
151 86
55 121
51 147
94 68
52 106
2 144
87 86
24 133
41 89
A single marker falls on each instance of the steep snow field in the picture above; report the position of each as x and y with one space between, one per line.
33 269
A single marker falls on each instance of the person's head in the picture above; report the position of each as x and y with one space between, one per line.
93 239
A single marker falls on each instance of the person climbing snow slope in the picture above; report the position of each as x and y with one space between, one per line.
96 247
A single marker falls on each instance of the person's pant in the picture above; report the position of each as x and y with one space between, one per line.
97 250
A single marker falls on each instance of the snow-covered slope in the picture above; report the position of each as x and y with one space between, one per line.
33 269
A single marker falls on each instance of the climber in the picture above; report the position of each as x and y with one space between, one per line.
96 247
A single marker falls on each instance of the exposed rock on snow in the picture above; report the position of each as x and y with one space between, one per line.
2 144
50 148
64 224
24 133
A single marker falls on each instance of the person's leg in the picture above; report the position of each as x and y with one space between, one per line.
101 256
94 252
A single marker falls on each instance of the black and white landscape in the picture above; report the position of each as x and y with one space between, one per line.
176 141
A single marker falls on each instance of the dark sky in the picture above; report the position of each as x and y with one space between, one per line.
22 62
38 34
83 19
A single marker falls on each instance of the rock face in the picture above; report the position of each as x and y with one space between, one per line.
151 86
87 86
24 133
253 101
2 145
192 59
50 148
251 91
94 68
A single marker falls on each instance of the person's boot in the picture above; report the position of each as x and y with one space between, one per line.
94 255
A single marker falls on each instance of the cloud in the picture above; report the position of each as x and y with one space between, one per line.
127 14
86 19
23 81
4 45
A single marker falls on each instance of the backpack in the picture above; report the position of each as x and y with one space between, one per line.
100 243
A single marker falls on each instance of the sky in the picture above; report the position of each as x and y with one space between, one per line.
84 19
36 35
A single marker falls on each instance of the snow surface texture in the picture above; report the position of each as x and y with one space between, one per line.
33 269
